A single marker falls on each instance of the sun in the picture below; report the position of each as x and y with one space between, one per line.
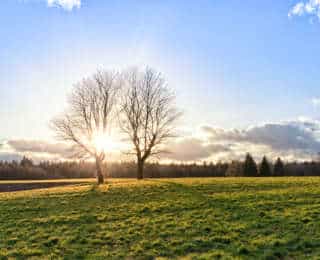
104 143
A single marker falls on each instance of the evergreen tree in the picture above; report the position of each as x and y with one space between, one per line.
26 162
250 166
235 169
278 168
265 167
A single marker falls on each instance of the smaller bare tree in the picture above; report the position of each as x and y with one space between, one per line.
89 115
148 114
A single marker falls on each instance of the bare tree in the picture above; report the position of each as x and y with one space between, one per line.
89 115
148 114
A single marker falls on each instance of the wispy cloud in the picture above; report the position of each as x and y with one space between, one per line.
65 4
311 7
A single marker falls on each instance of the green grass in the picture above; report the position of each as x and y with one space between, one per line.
242 218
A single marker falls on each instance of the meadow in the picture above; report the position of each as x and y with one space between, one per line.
199 218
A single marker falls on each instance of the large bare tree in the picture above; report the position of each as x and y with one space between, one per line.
88 116
148 114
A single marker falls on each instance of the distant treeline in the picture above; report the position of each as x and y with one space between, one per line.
26 169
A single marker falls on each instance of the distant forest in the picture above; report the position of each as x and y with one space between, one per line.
26 169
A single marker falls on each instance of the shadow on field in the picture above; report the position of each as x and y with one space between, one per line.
10 187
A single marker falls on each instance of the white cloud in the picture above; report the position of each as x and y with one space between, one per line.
315 102
298 139
311 7
193 149
35 146
65 4
298 9
292 140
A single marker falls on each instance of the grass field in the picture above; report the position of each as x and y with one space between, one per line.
245 218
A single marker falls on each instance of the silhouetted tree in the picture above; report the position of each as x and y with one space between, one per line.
90 111
148 114
235 169
265 168
250 166
85 169
26 162
278 169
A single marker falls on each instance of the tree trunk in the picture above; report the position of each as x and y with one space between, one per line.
140 169
100 177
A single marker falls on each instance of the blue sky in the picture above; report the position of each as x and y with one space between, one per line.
233 64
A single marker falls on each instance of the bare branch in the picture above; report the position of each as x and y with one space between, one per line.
90 113
148 112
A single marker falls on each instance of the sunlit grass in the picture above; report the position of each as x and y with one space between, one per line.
268 218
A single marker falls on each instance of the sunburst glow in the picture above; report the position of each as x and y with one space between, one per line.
104 143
